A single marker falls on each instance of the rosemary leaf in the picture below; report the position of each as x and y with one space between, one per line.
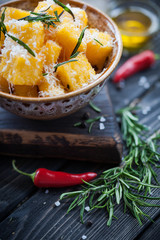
82 211
79 42
90 127
3 15
22 44
73 204
44 74
60 64
91 120
110 207
77 124
117 193
65 8
94 107
98 42
2 25
45 9
57 17
60 14
74 55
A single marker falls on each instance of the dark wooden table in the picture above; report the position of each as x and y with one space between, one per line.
29 213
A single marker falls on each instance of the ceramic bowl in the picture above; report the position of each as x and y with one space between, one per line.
59 106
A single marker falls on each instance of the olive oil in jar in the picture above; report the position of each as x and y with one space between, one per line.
136 25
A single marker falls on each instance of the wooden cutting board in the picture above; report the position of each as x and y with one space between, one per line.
60 139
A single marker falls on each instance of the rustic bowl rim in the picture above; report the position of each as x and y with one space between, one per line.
104 74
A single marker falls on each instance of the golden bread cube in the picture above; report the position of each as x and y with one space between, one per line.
75 75
81 19
50 52
2 40
67 37
21 68
42 6
96 53
50 86
14 13
25 91
50 33
4 86
31 33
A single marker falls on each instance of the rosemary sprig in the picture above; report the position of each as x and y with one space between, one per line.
79 42
130 183
89 121
98 42
47 20
65 8
62 63
4 30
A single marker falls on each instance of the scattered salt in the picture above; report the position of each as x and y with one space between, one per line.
87 208
146 85
145 110
84 237
102 119
101 126
46 191
142 80
57 204
44 203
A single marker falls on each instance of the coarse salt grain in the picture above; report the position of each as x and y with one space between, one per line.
84 237
142 81
44 203
46 191
101 126
57 204
102 119
146 110
146 85
87 208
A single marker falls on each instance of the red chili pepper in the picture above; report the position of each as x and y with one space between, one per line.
135 64
45 178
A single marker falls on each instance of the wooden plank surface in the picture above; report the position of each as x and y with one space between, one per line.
152 232
44 221
14 188
52 223
36 217
60 139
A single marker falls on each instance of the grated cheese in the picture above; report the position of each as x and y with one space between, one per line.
54 87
